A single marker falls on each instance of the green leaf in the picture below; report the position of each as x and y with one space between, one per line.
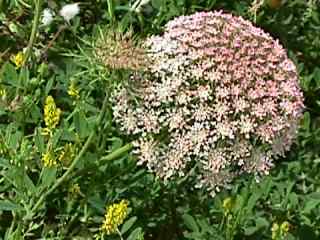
315 195
24 76
128 224
305 82
250 230
156 4
9 75
190 222
48 176
35 113
306 120
39 141
13 137
6 205
252 201
116 142
135 234
49 86
28 184
310 205
260 223
81 124
316 76
56 137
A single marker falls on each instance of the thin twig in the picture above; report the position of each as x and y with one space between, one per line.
56 35
4 52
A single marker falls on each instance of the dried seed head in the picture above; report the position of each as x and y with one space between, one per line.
120 51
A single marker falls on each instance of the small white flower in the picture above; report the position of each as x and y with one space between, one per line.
69 11
47 17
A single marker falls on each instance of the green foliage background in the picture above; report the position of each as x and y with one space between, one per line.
38 202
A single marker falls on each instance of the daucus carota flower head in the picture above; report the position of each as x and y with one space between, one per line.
69 11
114 217
219 94
51 113
47 17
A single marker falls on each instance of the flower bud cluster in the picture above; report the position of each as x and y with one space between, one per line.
220 94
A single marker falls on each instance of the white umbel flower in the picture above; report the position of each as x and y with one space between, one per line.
47 17
69 11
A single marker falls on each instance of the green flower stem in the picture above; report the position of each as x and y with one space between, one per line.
116 154
35 26
12 226
119 233
65 175
75 161
111 10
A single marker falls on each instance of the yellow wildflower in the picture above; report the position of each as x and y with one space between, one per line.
74 190
285 227
48 159
227 205
18 59
67 154
275 230
73 91
115 215
51 113
3 92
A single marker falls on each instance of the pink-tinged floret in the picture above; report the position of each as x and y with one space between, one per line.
221 96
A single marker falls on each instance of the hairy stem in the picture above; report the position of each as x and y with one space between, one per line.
116 154
35 26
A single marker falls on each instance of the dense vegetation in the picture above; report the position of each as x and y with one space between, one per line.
68 172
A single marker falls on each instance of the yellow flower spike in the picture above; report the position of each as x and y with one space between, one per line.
75 190
45 131
67 154
48 159
114 217
227 205
51 113
18 59
73 91
275 230
285 227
